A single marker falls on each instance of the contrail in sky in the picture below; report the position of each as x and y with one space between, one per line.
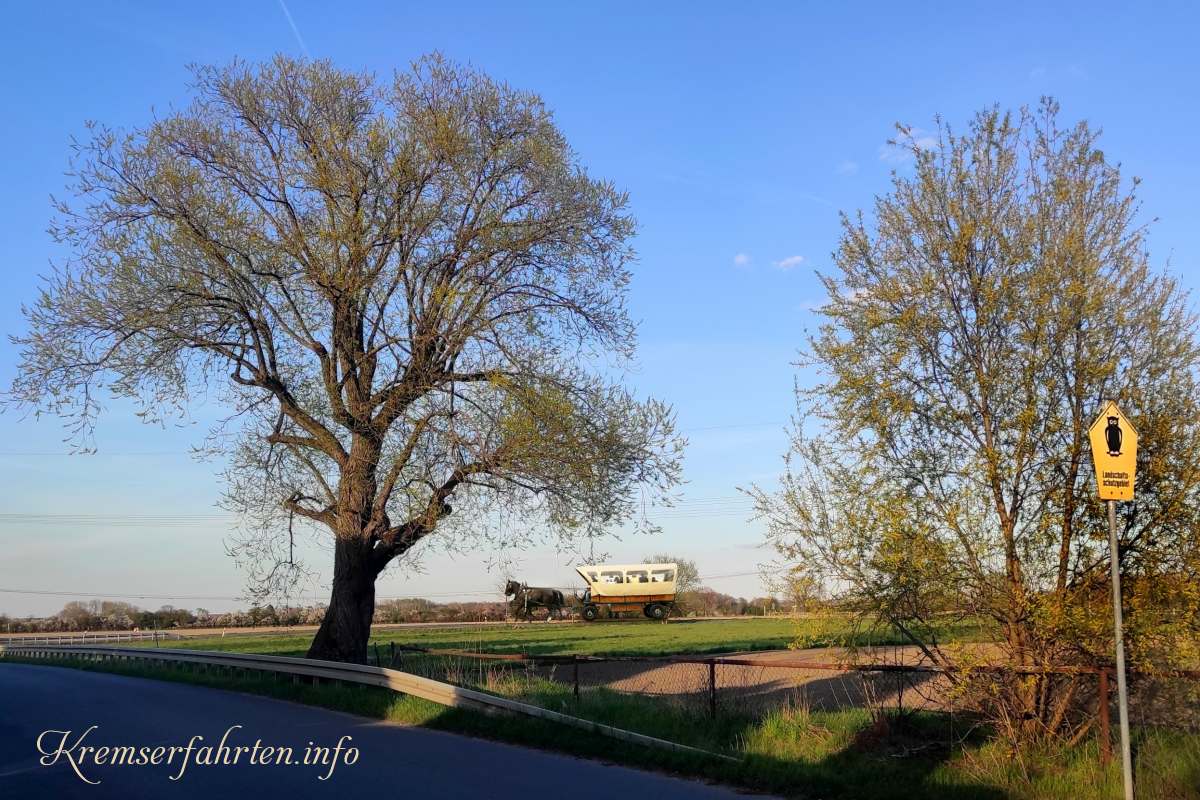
295 30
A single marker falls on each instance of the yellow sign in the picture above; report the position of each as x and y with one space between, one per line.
1114 452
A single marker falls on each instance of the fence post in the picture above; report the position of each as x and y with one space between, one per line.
1105 736
576 660
712 688
378 658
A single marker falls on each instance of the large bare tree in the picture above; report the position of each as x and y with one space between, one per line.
409 292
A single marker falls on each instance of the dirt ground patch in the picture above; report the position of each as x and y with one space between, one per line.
775 678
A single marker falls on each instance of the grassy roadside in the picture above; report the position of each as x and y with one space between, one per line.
792 751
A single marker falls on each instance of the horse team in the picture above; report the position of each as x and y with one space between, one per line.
526 599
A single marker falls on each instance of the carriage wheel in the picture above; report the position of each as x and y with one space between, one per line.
590 613
656 611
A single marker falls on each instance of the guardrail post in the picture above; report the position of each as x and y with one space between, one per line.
576 664
1103 702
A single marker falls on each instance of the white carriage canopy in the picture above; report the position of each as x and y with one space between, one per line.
629 580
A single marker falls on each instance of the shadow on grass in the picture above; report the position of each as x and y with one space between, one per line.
795 752
742 689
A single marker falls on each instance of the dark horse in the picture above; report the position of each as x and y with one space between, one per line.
526 598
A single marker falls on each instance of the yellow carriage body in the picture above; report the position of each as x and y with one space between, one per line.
630 587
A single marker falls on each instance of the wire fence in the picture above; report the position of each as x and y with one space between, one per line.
757 685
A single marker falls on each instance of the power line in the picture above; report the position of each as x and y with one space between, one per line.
125 520
157 453
313 598
114 454
687 509
152 596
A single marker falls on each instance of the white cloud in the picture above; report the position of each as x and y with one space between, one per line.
791 262
847 167
891 154
901 153
741 260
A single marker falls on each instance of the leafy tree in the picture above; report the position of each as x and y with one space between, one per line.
976 323
79 616
801 590
687 580
408 292
687 575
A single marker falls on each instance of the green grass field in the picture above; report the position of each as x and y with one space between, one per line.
624 638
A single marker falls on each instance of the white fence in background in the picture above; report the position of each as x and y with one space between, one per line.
89 638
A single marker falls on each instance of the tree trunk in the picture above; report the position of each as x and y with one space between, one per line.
346 628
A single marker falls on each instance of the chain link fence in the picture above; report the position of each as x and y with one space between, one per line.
753 686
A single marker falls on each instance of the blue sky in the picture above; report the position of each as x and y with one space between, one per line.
739 130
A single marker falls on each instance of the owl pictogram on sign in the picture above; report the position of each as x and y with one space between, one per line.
1112 436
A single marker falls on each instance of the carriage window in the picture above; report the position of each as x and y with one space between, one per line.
663 575
612 577
637 576
594 577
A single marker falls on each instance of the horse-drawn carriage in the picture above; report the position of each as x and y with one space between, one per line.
611 588
617 588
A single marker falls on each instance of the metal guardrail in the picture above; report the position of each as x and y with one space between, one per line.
435 691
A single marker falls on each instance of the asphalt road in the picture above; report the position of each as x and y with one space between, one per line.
405 762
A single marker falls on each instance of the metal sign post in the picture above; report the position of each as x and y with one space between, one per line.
1122 694
1114 453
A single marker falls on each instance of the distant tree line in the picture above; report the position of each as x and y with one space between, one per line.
705 602
108 615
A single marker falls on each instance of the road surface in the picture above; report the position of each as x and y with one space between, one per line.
142 715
